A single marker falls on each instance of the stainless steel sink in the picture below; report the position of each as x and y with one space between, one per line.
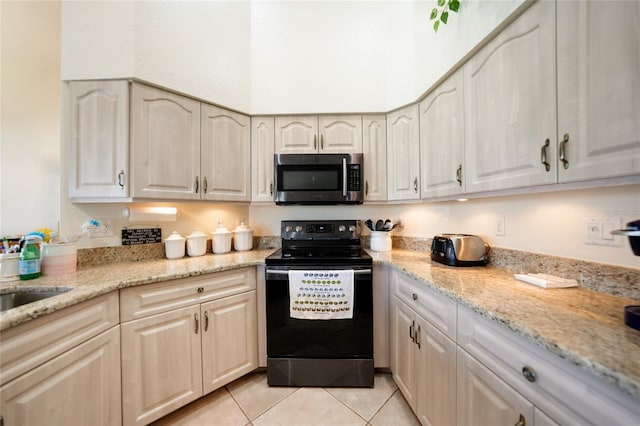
19 298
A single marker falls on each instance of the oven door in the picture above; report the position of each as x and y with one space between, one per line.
318 178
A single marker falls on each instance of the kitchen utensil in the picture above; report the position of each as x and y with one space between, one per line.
242 238
174 246
379 225
388 226
369 224
196 243
221 239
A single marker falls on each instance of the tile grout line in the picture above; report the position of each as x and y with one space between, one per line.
366 422
235 401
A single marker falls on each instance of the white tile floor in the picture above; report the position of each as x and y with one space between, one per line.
250 401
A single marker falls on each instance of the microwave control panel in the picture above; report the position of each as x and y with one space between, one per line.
354 177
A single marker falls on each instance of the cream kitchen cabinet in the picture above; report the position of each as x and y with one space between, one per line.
374 151
403 154
63 368
423 354
598 89
510 98
442 139
225 151
202 329
97 127
165 144
324 134
262 150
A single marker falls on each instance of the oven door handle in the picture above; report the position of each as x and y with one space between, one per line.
344 177
282 272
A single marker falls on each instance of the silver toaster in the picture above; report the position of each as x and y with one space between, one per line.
459 250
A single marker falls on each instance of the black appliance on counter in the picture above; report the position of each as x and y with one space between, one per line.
632 313
319 352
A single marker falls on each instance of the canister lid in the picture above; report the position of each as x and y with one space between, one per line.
221 229
197 234
174 236
242 228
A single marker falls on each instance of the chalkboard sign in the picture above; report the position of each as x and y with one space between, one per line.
133 236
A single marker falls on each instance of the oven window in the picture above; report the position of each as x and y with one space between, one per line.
313 178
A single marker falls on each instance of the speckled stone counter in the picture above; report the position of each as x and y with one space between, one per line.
579 325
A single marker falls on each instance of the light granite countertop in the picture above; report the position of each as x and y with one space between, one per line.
582 326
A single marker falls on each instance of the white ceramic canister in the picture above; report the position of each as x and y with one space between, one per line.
9 266
196 243
380 241
242 238
221 242
58 259
174 246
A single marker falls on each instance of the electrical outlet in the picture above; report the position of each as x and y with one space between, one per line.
103 229
499 229
598 231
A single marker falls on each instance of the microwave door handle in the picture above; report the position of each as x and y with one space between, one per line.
344 177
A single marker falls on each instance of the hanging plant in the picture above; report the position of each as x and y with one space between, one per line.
441 12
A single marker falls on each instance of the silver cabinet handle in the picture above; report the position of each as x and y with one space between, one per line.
121 179
206 320
195 317
321 142
543 155
204 185
529 374
459 175
271 188
415 185
563 151
414 296
197 184
315 141
521 421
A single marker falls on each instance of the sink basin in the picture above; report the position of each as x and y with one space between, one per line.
19 298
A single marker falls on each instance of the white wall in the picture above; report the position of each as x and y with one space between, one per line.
30 116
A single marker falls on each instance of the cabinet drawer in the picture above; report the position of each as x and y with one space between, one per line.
439 310
563 391
142 301
26 346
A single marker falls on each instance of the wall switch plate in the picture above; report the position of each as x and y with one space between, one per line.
103 229
598 231
499 229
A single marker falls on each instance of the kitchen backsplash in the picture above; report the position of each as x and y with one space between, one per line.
610 279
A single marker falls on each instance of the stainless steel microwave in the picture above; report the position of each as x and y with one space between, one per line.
318 179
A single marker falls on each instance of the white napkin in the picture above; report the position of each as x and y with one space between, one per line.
323 295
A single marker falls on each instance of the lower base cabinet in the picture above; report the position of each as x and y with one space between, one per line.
173 358
79 387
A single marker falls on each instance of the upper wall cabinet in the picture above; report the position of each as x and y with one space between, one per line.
313 134
598 89
510 98
442 139
98 131
225 155
165 144
262 149
403 154
374 151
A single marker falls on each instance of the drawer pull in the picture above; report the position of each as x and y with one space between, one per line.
200 289
206 320
411 328
418 337
521 421
195 317
414 296
529 374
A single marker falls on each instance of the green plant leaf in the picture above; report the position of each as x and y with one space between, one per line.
434 13
441 2
444 17
436 25
454 5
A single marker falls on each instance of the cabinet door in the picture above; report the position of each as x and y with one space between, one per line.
165 141
296 135
99 139
225 155
510 100
79 387
442 139
161 364
374 148
598 89
403 352
229 339
262 150
403 154
436 371
484 399
340 133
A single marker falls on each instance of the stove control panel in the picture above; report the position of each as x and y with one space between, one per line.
315 229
